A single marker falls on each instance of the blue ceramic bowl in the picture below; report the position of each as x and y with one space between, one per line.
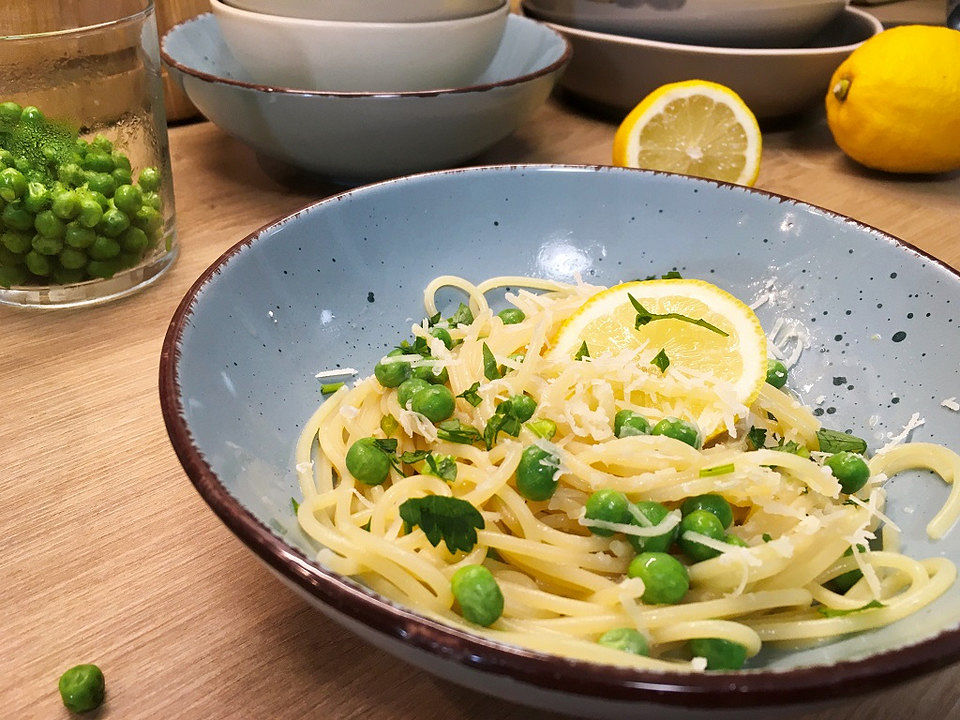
336 283
364 135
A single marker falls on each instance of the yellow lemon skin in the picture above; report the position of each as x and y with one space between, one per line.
894 104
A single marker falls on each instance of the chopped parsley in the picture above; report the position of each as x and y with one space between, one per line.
491 371
661 361
833 441
330 388
295 505
457 432
832 612
463 316
471 395
644 316
583 352
452 520
757 437
717 470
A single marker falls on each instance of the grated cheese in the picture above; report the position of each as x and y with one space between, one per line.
665 526
951 404
913 423
344 372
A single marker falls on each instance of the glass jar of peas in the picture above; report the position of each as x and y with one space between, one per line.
86 195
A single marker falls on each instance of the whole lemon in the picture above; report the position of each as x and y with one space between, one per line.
894 104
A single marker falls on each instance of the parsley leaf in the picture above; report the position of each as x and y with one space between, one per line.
463 316
433 320
456 432
644 316
583 352
471 396
766 537
757 437
490 369
833 441
295 505
831 612
504 420
792 447
672 275
389 446
418 347
661 361
414 457
442 466
450 519
717 470
389 424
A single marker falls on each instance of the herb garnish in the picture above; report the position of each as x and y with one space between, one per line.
463 316
833 441
583 352
454 431
543 428
832 612
471 395
450 519
644 316
295 505
717 470
661 361
329 388
504 420
389 424
491 370
757 437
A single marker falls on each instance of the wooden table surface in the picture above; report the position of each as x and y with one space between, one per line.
109 556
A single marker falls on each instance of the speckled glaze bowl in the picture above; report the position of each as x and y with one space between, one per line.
336 283
356 136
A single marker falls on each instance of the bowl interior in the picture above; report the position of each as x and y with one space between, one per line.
198 46
335 285
369 10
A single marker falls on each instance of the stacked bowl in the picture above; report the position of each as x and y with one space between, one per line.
364 89
778 55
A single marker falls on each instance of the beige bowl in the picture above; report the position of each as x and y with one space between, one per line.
728 23
369 10
361 56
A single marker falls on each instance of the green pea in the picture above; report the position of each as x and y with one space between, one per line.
67 276
38 263
66 204
426 372
12 184
409 388
102 200
535 473
628 640
677 429
435 402
478 594
32 115
101 144
128 199
850 469
444 336
22 163
104 269
367 463
128 259
16 242
9 116
149 179
72 259
543 428
37 198
98 161
665 579
776 373
731 539
523 407
703 522
122 177
391 374
81 146
121 161
12 276
627 423
711 502
82 688
101 183
113 223
47 245
16 217
609 506
152 199
77 236
104 248
512 316
655 513
720 654
49 225
11 259
134 241
6 158
71 174
91 212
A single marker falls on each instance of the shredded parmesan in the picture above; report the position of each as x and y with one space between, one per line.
338 372
951 404
913 423
665 526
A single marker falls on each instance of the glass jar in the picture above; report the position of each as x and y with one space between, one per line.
86 194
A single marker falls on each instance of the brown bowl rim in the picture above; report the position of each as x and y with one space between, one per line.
750 688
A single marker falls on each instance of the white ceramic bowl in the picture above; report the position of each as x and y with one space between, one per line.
370 10
729 23
357 136
617 72
360 56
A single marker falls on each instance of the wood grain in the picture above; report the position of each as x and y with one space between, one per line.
111 557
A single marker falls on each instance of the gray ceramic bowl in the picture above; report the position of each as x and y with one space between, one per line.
617 72
337 282
350 136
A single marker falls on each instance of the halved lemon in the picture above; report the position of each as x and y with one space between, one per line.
695 128
737 359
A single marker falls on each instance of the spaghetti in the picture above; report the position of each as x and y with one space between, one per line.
566 579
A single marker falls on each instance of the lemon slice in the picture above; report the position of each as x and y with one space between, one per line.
737 360
695 128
